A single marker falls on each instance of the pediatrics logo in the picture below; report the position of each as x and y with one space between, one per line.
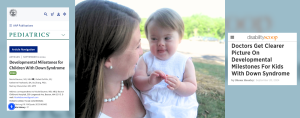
262 37
29 34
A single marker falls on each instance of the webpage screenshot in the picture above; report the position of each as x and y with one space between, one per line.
262 58
37 59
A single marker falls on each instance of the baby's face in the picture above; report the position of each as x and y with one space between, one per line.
163 41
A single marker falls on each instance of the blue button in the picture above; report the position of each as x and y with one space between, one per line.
11 106
23 49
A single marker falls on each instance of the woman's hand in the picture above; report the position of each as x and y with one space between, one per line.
173 82
156 77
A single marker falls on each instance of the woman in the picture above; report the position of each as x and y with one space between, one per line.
107 50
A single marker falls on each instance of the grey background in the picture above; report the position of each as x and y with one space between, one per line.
3 49
263 16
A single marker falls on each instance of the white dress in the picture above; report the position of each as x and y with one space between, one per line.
138 93
161 102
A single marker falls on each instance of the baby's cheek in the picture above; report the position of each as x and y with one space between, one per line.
172 48
152 47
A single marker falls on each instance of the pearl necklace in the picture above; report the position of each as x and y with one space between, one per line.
117 96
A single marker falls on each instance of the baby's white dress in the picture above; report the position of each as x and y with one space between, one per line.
161 102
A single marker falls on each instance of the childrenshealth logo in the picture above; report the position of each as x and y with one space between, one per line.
262 37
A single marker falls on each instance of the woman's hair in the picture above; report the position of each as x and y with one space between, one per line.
166 18
102 28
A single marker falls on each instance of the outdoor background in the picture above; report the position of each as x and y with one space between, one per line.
203 41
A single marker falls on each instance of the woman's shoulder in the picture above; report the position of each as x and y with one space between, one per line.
105 116
102 115
132 96
147 115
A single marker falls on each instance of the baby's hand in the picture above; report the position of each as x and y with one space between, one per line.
156 77
173 82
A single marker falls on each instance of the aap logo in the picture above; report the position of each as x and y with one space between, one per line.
13 12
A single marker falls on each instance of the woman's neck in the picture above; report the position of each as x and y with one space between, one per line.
112 87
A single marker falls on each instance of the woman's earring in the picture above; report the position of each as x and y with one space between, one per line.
110 67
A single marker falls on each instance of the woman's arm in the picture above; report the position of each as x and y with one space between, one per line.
189 84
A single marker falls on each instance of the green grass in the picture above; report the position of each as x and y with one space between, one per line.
211 89
213 103
215 70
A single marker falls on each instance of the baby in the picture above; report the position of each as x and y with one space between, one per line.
166 78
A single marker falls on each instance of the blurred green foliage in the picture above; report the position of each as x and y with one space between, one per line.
204 26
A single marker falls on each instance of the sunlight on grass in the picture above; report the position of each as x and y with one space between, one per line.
211 89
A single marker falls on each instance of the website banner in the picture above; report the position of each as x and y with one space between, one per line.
37 59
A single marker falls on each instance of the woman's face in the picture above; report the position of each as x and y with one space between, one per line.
124 63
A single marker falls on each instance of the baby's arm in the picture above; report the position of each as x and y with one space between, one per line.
142 81
189 84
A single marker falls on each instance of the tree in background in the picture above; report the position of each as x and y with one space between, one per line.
142 26
198 25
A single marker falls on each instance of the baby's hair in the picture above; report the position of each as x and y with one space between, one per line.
166 18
